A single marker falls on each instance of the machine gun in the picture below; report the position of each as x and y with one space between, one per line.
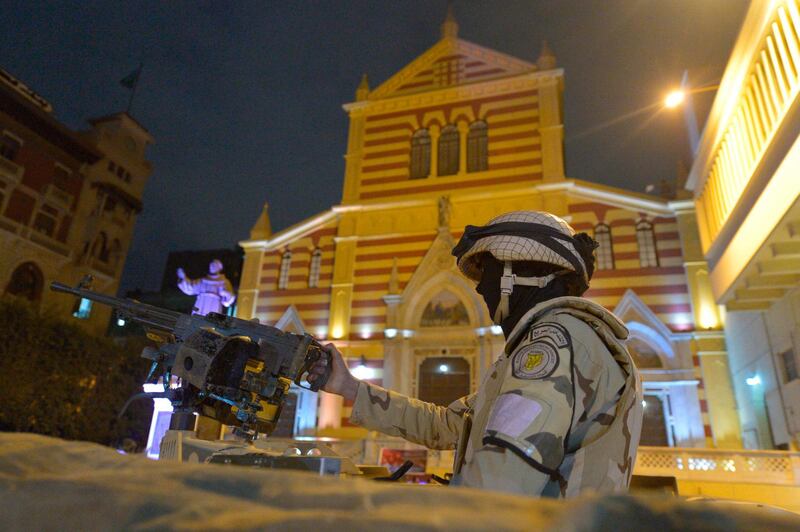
235 371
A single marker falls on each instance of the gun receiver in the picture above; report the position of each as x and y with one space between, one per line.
232 370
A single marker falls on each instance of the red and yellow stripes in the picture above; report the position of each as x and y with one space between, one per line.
664 288
514 146
311 303
450 70
374 261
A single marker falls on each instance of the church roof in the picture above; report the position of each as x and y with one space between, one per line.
451 61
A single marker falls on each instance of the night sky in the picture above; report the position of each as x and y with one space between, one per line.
244 98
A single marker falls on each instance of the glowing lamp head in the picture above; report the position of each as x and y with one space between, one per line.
755 380
362 372
644 403
674 99
443 368
120 322
708 319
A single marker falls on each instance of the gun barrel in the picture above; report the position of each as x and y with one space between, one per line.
148 315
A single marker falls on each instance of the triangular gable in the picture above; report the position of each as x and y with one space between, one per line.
643 323
290 321
448 63
437 271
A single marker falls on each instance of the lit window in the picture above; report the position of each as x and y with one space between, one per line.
420 154
84 309
9 146
313 270
286 264
448 151
477 147
646 238
605 252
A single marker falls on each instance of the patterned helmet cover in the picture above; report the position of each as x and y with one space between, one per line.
518 248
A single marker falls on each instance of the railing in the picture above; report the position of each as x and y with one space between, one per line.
10 171
60 197
717 465
766 94
103 267
711 465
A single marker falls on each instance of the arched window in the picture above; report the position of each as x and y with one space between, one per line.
420 154
442 380
605 252
26 281
478 147
646 238
448 151
313 269
643 355
100 247
286 264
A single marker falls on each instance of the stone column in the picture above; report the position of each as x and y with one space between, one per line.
433 130
463 131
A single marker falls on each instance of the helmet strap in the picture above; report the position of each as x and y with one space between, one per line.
507 282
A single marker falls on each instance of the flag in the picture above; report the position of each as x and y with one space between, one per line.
129 81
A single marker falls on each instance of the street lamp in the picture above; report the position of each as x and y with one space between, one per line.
683 97
674 99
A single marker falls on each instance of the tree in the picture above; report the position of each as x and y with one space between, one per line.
56 379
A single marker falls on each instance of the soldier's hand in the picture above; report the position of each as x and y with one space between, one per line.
340 382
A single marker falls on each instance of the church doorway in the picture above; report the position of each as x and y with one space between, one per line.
27 281
443 379
654 424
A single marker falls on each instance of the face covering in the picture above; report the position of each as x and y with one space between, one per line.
522 299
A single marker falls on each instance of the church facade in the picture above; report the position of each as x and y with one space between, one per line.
460 135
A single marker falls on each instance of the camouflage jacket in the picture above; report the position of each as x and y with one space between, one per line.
558 415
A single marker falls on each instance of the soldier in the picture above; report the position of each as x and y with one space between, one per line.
560 412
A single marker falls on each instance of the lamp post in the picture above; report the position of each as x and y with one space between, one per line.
683 97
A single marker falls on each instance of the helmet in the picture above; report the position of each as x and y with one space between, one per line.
522 236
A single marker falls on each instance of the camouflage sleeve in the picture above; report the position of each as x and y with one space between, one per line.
532 416
395 414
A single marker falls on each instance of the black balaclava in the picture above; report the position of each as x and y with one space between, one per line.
523 298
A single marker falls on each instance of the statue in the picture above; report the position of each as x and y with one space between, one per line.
213 291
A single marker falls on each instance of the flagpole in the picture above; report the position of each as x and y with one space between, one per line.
133 89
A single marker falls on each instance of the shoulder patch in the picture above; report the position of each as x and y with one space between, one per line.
554 331
535 361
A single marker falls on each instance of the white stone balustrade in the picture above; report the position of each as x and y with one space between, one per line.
720 465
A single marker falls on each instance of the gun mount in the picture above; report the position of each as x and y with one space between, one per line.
235 371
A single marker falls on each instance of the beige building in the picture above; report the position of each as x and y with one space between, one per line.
746 182
68 200
459 135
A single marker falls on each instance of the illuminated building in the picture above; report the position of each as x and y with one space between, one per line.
68 200
461 134
746 182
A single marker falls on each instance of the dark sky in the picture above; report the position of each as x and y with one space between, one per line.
244 98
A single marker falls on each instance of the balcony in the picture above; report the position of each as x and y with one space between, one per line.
10 171
58 197
49 243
